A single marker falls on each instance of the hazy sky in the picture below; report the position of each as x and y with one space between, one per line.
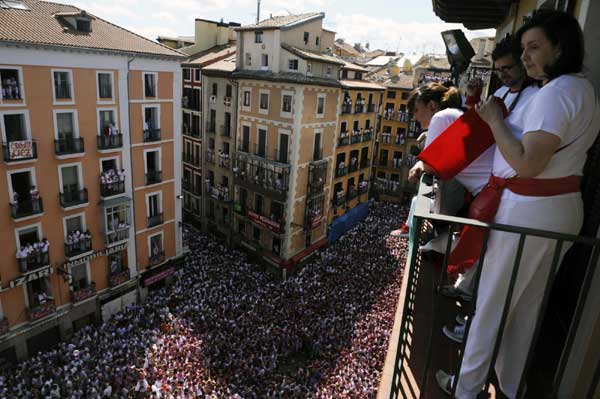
404 25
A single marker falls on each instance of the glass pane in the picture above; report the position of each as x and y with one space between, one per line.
73 224
70 177
64 123
15 127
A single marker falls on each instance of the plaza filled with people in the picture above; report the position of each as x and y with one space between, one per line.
227 329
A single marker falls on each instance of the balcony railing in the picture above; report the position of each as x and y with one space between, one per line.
371 108
155 220
118 278
118 235
353 167
16 151
351 194
341 171
153 177
110 142
156 258
151 135
40 311
218 192
110 189
346 109
33 262
68 146
77 248
359 108
210 156
339 198
26 208
365 163
83 293
420 357
225 131
386 138
73 198
191 159
367 135
224 161
261 174
382 163
191 133
211 127
344 139
356 137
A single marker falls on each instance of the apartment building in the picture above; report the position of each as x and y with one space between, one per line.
288 106
220 113
213 41
397 146
90 123
355 139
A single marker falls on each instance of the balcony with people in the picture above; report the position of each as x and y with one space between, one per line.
341 169
224 159
151 126
367 134
78 243
41 301
353 164
218 192
26 204
210 156
109 141
32 256
344 138
359 106
317 177
112 182
262 174
356 137
347 105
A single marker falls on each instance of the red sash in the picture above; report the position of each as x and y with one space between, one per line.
485 206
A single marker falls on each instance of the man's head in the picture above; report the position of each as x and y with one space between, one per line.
507 62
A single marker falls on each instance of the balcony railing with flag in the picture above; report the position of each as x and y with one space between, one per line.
68 146
73 197
421 280
153 177
16 151
109 142
151 135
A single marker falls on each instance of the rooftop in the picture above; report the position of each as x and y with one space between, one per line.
225 65
211 55
383 60
353 67
309 55
283 21
360 84
401 81
285 77
41 25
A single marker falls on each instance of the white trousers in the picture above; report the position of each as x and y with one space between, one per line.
562 214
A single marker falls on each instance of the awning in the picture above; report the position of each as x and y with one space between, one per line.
115 201
473 14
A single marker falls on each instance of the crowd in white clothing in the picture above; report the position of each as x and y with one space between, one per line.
226 329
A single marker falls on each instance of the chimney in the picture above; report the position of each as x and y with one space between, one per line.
257 11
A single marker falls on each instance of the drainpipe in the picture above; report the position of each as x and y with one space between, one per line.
233 132
129 61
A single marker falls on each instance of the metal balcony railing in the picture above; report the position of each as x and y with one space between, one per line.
156 258
421 349
110 189
346 108
118 235
26 207
77 248
73 197
110 142
151 135
33 261
153 177
155 220
356 137
367 135
225 131
38 312
68 146
344 139
341 171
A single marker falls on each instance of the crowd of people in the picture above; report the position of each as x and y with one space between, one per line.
110 178
227 329
33 255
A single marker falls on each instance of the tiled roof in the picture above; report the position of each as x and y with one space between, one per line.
401 82
225 65
282 21
433 62
347 48
353 67
286 77
40 26
360 84
187 39
309 55
211 55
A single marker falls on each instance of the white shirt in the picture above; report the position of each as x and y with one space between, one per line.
477 174
567 107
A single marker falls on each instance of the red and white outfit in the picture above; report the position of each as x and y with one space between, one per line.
566 107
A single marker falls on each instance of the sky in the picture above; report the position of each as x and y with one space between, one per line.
407 26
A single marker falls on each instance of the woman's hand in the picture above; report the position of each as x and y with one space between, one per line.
490 111
414 174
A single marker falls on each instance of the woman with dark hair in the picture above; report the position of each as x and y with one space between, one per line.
538 163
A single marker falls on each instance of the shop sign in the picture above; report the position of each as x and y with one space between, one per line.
264 221
92 256
38 274
159 276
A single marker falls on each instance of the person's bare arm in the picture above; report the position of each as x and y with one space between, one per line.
414 174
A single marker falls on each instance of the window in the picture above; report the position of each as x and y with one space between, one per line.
62 85
293 65
329 71
228 90
245 138
117 218
84 25
256 233
306 37
286 103
391 94
15 126
283 148
308 68
317 40
197 76
215 89
358 75
150 84
105 82
264 101
258 37
11 84
154 204
156 245
247 94
321 105
355 127
344 74
187 75
259 203
151 118
106 121
405 95
70 179
64 126
264 60
261 149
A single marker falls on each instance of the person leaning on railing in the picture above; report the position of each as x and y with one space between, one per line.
538 163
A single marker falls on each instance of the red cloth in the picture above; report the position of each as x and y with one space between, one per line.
460 144
468 249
